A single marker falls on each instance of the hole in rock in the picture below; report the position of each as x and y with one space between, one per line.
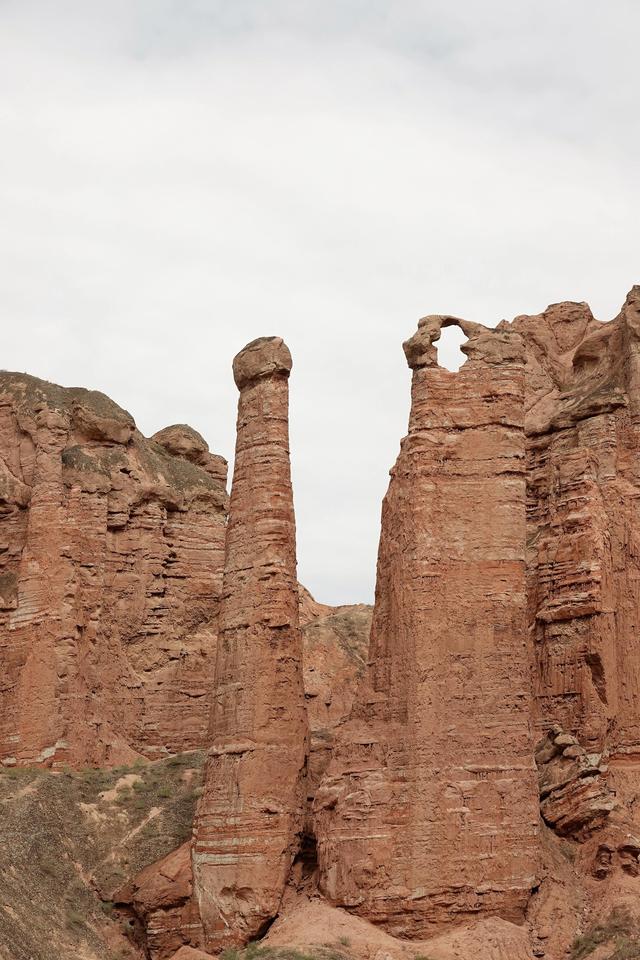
450 356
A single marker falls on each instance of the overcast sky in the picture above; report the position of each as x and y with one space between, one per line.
178 177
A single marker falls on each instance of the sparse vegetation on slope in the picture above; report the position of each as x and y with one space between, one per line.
326 951
620 934
69 839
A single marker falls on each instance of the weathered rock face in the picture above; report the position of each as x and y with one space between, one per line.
160 896
250 818
334 641
334 656
583 567
428 812
575 799
111 553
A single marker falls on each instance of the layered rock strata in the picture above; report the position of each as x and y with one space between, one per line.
583 566
161 898
575 799
334 641
111 554
428 813
250 818
334 655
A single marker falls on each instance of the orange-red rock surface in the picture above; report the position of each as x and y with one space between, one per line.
111 550
311 926
161 898
428 813
583 400
471 781
250 819
583 576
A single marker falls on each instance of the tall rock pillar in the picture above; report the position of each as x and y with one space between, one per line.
250 816
428 812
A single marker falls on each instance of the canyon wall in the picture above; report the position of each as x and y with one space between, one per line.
428 813
250 819
111 555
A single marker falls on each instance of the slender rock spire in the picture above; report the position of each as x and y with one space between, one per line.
250 816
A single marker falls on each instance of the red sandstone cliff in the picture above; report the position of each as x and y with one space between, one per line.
111 552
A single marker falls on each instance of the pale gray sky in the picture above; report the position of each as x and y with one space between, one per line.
178 177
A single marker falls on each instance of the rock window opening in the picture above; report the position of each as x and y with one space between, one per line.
450 356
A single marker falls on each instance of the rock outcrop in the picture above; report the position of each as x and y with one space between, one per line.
575 799
161 898
334 656
428 812
334 644
250 819
111 553
583 566
582 424
583 559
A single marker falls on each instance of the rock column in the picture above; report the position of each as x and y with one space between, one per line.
250 817
428 813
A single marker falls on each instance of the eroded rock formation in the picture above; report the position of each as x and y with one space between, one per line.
583 406
582 422
161 898
575 799
250 819
428 813
334 657
111 553
507 601
334 641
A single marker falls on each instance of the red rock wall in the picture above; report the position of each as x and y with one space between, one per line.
583 395
583 568
250 819
111 550
583 562
428 813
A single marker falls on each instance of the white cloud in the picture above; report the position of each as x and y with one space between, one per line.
179 178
